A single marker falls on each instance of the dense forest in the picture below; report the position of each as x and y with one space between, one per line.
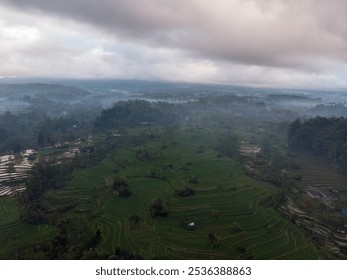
33 130
323 137
38 130
135 113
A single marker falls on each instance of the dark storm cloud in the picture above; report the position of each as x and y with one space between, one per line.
295 34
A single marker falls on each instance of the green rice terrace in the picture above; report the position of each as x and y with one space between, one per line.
318 201
172 196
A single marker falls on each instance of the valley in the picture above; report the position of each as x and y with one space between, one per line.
167 172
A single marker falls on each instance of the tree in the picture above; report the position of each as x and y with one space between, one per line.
186 191
40 139
124 192
294 130
121 187
17 145
230 146
135 221
11 167
158 208
193 179
323 137
213 240
44 175
119 182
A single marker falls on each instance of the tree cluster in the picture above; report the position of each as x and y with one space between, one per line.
158 208
186 191
135 113
323 137
143 155
74 240
45 175
229 145
35 130
121 187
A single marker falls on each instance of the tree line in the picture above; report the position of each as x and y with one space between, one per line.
135 113
35 131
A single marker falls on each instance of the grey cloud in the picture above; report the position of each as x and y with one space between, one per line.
281 42
277 33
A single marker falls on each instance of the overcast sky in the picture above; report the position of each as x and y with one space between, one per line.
285 43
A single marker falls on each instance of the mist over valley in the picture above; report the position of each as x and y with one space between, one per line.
180 130
191 157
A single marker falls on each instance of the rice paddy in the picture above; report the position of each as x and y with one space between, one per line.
226 204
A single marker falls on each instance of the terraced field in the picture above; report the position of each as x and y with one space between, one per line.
12 178
318 175
226 203
322 192
230 220
315 172
15 235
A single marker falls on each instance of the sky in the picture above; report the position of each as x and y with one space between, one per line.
280 43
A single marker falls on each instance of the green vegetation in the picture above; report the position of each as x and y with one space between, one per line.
187 202
323 137
133 113
164 181
20 240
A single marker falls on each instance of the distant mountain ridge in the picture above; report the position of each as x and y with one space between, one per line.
41 90
40 96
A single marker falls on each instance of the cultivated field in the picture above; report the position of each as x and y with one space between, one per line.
16 235
227 209
316 204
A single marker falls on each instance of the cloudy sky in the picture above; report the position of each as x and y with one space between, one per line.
286 43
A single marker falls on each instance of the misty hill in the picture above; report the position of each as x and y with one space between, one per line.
50 98
290 100
54 91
